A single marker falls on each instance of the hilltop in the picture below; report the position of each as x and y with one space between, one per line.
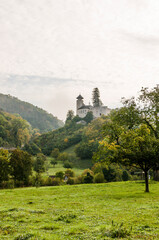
37 117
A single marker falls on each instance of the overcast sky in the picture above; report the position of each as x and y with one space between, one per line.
52 50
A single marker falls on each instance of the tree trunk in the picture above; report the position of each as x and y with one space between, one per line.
146 182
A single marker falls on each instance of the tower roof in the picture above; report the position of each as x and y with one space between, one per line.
79 97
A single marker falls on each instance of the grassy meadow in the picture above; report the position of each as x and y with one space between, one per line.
119 210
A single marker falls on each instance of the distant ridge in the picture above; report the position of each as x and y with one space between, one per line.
37 117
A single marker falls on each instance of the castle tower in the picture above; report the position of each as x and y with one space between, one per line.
79 103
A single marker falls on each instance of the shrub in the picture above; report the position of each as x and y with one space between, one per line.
69 173
125 176
70 181
88 178
99 178
78 180
60 175
67 165
56 182
87 171
7 184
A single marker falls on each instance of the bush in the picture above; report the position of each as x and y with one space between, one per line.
125 176
87 171
67 165
99 178
56 182
88 178
70 181
78 180
7 184
69 173
60 175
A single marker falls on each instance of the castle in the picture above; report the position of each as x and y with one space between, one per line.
97 108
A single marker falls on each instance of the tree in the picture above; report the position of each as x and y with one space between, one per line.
55 153
150 108
60 175
39 164
138 148
53 162
70 115
96 97
21 165
89 117
63 157
4 165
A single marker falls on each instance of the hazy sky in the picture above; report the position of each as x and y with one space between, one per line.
52 50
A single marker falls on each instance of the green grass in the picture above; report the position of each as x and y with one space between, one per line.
97 211
78 168
78 165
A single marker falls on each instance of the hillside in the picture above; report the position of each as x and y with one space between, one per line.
37 117
14 131
85 137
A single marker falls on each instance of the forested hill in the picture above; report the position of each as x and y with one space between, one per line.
14 130
37 117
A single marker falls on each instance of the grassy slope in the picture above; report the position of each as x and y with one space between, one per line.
78 166
79 212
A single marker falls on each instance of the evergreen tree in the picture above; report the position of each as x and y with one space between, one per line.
96 97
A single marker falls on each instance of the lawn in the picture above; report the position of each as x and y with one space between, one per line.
95 211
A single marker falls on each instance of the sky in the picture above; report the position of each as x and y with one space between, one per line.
52 50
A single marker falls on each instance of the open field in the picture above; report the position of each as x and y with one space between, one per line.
95 211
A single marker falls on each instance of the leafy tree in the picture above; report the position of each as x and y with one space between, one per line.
63 157
138 148
39 164
89 117
32 148
55 153
67 164
69 173
21 165
70 115
53 162
4 165
60 175
150 108
88 178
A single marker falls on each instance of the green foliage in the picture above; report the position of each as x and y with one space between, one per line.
32 148
69 173
99 178
60 175
4 165
55 153
88 178
137 148
14 131
125 176
39 163
70 115
61 138
89 117
86 149
21 165
96 97
67 164
63 157
37 117
53 162
70 181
